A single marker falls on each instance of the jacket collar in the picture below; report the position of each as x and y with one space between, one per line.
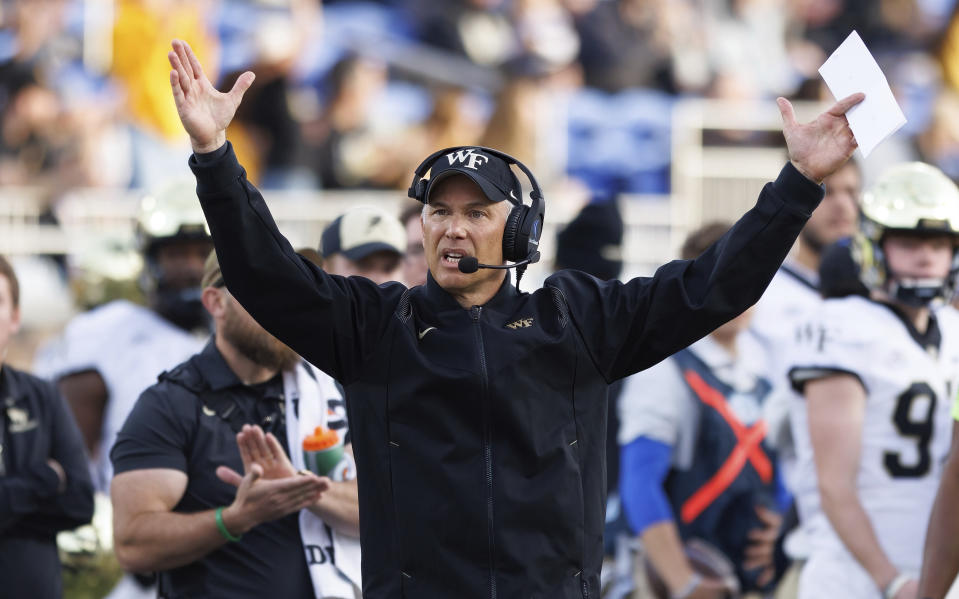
214 368
9 391
440 299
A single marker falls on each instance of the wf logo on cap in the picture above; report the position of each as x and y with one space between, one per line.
468 157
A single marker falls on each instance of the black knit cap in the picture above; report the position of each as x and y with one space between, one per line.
839 274
593 241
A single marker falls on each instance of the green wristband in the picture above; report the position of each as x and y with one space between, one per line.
222 527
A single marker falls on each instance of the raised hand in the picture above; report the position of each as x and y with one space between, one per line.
819 148
204 111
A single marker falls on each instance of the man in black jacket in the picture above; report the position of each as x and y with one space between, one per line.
44 481
478 411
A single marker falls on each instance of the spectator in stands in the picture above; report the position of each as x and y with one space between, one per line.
458 118
345 151
626 43
268 130
481 30
512 127
938 144
139 57
546 33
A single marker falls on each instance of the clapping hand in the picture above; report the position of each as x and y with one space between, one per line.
269 488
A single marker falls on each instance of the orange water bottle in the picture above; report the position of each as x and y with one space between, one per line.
322 451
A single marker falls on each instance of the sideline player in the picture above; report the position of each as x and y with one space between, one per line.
878 376
106 357
792 296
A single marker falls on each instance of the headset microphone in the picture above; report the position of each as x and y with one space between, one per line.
469 264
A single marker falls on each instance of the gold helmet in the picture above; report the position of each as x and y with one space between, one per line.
106 269
169 213
913 197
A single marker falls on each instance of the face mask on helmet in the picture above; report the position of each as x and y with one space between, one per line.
182 307
169 219
913 199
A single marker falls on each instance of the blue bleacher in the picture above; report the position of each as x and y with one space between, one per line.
620 143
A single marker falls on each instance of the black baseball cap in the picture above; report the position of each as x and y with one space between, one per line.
490 172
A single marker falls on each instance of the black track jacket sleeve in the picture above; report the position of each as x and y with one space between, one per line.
332 321
630 326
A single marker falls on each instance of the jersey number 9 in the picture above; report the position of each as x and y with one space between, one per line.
920 430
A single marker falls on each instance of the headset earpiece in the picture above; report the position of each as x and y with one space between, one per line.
418 190
514 248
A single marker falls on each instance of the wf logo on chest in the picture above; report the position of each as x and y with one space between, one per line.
522 323
468 158
20 421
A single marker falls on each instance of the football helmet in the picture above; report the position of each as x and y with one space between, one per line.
911 198
168 215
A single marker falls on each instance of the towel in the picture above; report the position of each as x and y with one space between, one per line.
333 558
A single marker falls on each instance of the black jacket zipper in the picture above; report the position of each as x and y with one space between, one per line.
476 312
3 425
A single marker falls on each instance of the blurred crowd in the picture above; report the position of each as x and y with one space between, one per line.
352 94
348 94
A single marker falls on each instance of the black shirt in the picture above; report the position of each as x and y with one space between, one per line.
172 426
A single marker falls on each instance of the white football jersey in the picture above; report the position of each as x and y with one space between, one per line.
907 427
129 345
771 344
791 297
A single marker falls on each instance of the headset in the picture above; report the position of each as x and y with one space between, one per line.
524 225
